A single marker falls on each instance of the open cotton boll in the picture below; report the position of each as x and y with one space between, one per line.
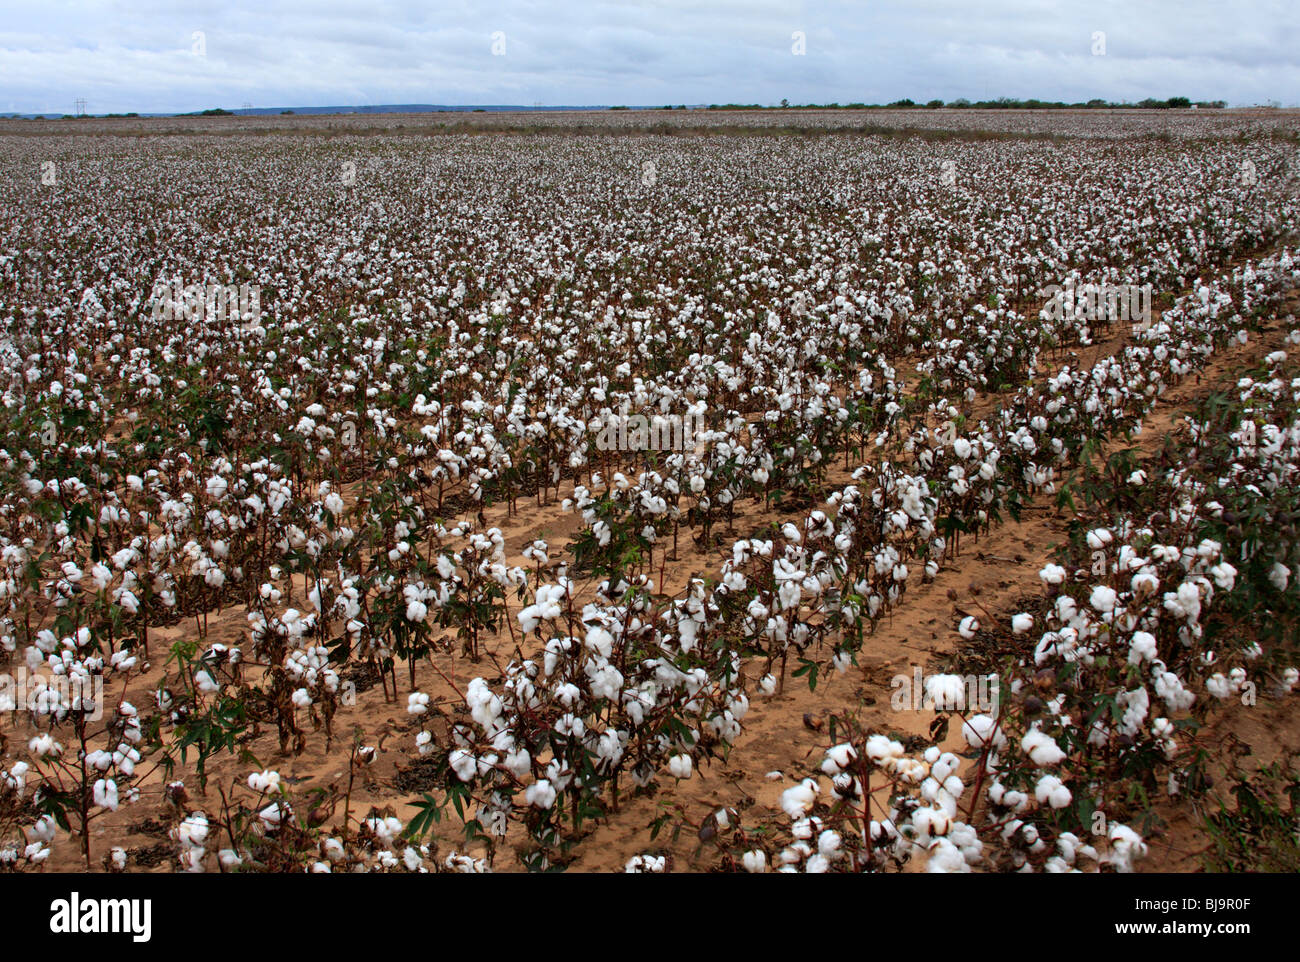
1022 623
1051 790
105 794
1052 574
969 627
1142 648
681 766
417 703
540 794
1041 748
838 758
945 857
647 864
798 800
981 730
1103 598
754 861
1126 846
945 692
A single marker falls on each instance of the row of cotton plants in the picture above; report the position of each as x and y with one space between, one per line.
1178 593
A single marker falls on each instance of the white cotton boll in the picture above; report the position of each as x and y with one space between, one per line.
946 692
600 641
767 684
1103 598
44 746
265 781
518 762
817 864
798 800
882 749
540 794
1290 677
1219 687
43 829
1279 575
945 857
1022 623
962 448
193 831
302 698
1142 648
417 703
1224 575
463 764
828 843
1052 791
754 861
968 627
1052 575
105 794
838 758
681 766
1041 748
273 815
416 611
1125 847
982 730
646 864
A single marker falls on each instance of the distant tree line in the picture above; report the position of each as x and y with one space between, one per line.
1001 103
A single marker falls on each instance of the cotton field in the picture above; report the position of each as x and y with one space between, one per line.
526 492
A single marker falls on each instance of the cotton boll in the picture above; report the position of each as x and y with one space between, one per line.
1126 846
838 758
1142 648
540 794
1103 598
105 794
798 800
1052 575
1052 791
1279 575
1022 623
1041 748
982 730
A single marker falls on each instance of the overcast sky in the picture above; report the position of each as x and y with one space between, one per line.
144 55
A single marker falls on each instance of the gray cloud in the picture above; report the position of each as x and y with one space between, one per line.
124 56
